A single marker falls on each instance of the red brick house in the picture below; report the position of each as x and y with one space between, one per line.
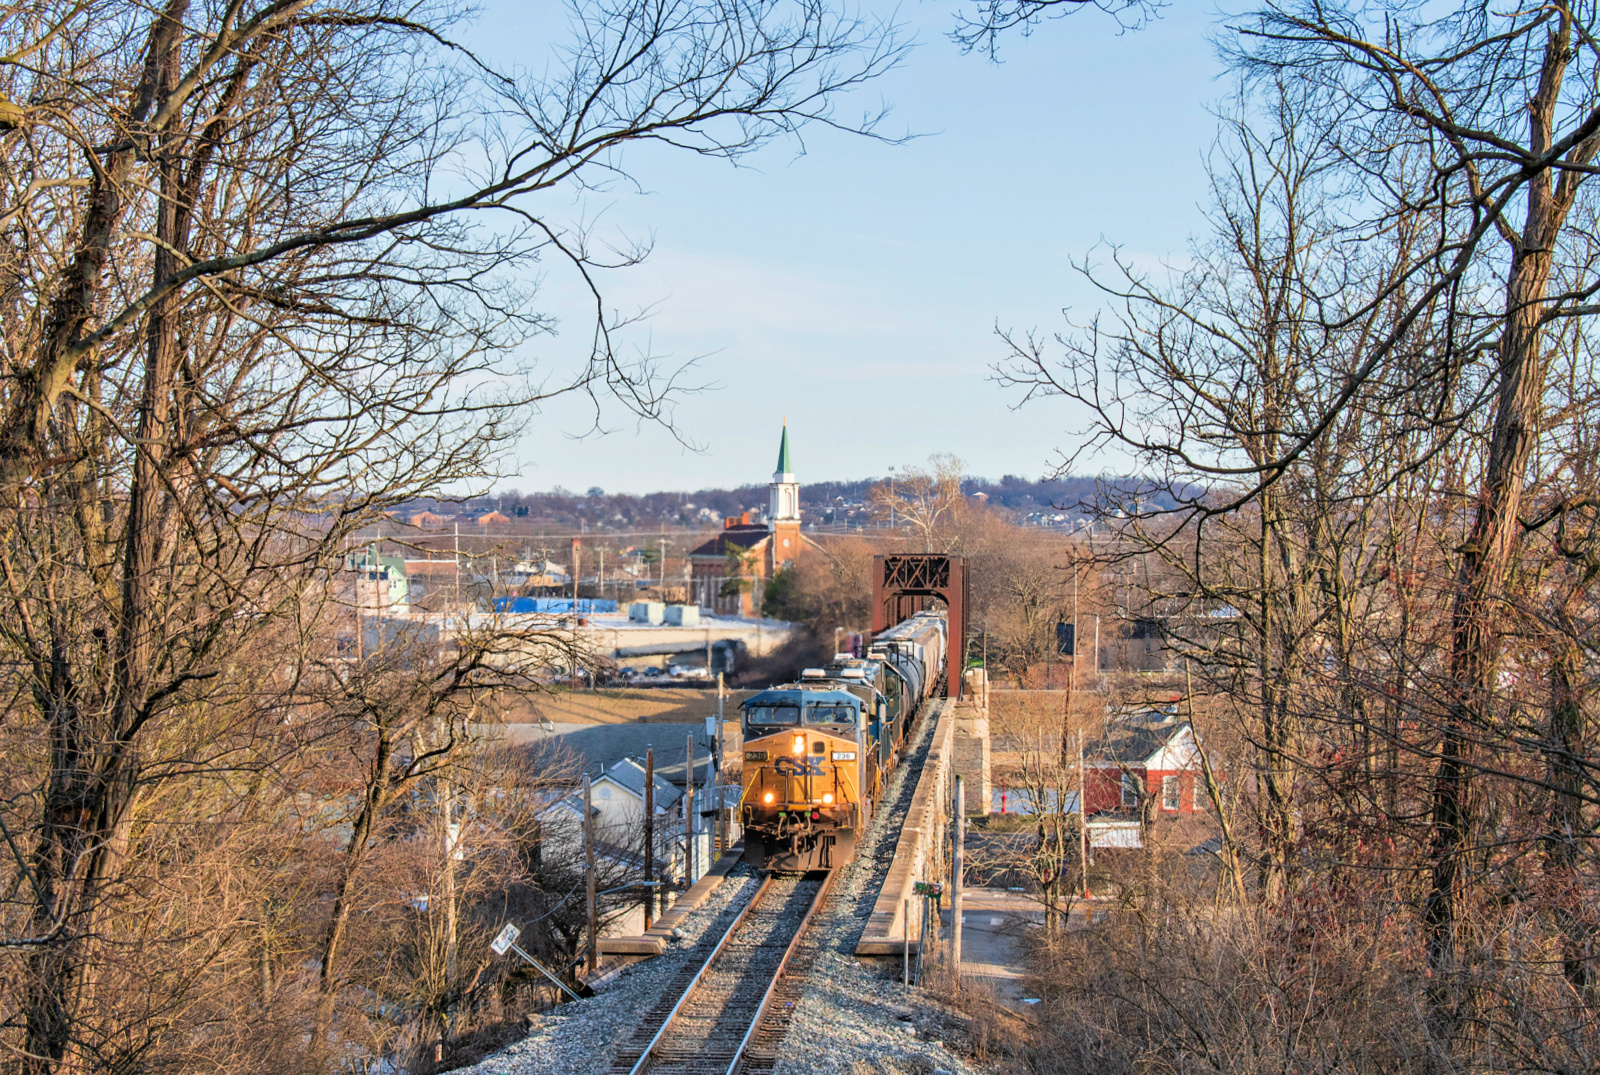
1149 755
750 551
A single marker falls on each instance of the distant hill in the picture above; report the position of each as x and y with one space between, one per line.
839 502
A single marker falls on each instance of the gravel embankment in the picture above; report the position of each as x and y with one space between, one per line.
854 1016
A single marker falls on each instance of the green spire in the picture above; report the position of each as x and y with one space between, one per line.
783 451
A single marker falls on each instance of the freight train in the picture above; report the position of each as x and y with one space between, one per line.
816 751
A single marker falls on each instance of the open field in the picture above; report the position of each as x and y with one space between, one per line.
623 706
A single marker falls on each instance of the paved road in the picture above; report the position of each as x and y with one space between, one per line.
992 924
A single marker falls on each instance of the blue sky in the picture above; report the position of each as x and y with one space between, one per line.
854 289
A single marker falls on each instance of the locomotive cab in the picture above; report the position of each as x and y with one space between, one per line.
804 797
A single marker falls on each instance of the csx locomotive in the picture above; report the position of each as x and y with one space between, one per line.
816 752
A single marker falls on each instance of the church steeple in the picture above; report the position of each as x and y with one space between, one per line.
785 505
785 472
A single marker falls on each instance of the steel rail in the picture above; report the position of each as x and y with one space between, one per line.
777 975
694 983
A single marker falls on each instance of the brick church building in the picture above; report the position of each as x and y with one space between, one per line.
750 550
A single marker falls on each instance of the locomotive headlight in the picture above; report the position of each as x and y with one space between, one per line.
827 797
799 744
767 797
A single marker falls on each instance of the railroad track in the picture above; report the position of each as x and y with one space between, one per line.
734 1007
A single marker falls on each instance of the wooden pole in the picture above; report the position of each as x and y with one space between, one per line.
588 873
905 948
688 809
1097 651
1072 671
1083 818
649 835
958 838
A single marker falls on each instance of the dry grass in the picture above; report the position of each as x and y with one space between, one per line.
623 706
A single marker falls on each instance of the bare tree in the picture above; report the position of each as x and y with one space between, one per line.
265 276
1361 396
927 501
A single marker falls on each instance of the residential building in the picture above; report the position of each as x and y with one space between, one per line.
377 582
1146 756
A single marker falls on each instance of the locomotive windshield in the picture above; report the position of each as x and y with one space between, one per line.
830 713
772 714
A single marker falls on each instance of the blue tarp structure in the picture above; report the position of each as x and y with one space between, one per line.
583 606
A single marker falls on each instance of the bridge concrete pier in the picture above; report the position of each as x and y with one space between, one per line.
971 757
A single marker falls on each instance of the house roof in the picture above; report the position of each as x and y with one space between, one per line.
367 560
743 537
1133 739
431 567
629 773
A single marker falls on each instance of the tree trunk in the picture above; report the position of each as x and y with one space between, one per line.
1485 561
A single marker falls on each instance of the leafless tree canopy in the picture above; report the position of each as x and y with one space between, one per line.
1368 392
267 271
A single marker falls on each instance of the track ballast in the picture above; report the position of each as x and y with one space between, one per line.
714 1016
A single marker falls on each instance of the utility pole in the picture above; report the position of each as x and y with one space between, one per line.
958 839
649 835
361 601
1097 651
1083 818
588 872
1072 671
457 546
724 823
688 809
905 943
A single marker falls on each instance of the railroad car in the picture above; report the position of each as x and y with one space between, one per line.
816 751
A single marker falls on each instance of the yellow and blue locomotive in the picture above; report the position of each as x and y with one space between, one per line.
816 751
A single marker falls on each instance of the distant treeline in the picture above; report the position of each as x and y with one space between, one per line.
596 509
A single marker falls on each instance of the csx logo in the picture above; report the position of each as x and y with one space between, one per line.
799 767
